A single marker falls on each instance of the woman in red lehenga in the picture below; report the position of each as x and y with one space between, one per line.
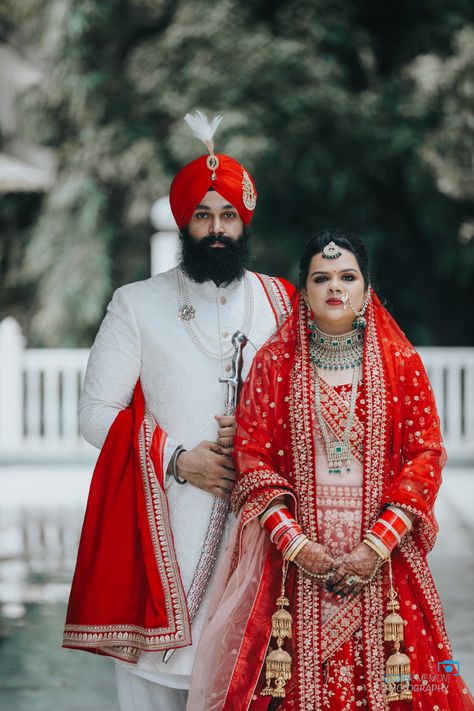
339 457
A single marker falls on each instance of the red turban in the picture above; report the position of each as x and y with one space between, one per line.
194 180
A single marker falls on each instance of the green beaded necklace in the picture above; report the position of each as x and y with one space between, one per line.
335 352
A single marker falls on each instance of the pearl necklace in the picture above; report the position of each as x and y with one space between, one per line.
210 346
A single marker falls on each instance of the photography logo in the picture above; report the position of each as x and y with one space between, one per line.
427 682
449 666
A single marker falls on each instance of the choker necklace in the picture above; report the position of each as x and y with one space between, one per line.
335 352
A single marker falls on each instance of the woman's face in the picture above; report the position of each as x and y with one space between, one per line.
327 282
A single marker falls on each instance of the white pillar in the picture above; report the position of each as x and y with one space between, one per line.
11 399
165 242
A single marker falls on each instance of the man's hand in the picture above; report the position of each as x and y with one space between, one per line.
361 562
205 467
225 433
315 558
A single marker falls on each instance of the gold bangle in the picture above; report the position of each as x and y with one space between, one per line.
298 549
375 548
381 550
293 545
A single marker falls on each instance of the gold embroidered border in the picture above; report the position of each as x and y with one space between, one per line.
308 634
375 388
423 525
179 632
253 481
423 577
372 625
110 638
334 421
278 297
340 627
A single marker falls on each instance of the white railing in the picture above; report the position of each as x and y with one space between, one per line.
451 373
39 396
40 387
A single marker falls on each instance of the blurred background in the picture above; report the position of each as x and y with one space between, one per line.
348 113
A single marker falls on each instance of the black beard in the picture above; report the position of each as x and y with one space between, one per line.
203 263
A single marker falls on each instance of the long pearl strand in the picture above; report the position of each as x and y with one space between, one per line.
187 314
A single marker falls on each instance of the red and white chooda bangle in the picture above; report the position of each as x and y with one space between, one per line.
285 532
388 531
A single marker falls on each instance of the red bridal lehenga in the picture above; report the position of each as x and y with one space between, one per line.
337 648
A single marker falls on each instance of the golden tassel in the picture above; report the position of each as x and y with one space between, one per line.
397 666
278 662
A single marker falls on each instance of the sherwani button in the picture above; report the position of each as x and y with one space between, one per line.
223 300
225 333
227 367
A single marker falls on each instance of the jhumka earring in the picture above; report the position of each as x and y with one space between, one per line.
360 322
309 315
278 661
397 666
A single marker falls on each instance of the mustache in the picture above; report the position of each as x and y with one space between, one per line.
216 239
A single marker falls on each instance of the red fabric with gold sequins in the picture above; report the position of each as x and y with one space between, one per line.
341 664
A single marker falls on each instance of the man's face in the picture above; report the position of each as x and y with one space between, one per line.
214 216
215 243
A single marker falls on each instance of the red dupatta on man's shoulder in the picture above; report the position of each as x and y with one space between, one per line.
127 593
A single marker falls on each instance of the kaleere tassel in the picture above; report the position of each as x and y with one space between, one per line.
397 666
278 661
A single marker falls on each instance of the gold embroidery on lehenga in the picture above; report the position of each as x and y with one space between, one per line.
335 410
309 635
374 460
278 296
308 672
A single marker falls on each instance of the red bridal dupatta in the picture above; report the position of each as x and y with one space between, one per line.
127 593
274 452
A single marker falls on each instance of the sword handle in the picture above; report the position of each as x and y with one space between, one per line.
234 381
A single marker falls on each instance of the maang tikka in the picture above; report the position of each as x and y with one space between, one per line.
331 251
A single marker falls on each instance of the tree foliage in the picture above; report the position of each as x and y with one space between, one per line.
353 114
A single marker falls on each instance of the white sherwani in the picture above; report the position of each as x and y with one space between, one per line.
143 337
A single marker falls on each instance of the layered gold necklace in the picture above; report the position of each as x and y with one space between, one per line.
341 352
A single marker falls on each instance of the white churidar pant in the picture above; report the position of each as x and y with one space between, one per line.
136 693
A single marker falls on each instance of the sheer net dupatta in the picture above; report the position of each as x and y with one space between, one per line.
234 595
233 645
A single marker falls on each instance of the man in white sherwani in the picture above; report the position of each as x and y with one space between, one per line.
173 332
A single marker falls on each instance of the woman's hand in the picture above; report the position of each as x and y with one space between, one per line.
314 558
353 571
